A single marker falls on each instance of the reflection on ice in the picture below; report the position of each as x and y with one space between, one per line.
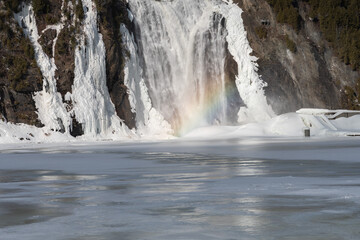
166 192
249 223
68 177
12 213
172 188
243 167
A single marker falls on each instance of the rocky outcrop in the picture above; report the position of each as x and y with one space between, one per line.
19 75
65 49
65 60
299 66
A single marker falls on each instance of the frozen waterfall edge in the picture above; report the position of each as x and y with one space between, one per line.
248 82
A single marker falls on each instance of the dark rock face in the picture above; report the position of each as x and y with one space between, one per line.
19 75
311 76
233 97
111 14
49 13
18 107
76 128
283 95
46 41
65 53
65 63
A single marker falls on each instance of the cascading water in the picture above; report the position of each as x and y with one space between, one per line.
183 46
175 71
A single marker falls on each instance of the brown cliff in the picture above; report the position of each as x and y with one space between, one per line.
300 67
111 14
20 77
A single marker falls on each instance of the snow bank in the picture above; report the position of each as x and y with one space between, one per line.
286 125
22 133
347 124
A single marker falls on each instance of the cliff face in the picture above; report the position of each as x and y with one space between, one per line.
19 75
300 67
60 28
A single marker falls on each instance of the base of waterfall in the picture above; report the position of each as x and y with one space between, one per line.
320 122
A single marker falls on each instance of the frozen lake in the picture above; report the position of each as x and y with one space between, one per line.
270 188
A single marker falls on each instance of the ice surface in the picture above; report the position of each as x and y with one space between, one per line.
256 188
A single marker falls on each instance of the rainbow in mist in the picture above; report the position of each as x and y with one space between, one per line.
197 116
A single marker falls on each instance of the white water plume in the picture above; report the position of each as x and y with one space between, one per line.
183 45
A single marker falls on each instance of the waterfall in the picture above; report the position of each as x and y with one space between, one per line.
182 44
175 70
149 122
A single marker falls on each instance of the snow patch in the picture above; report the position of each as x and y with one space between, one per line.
22 133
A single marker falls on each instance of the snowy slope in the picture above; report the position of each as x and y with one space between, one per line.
286 125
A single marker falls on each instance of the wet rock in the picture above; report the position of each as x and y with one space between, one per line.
20 77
